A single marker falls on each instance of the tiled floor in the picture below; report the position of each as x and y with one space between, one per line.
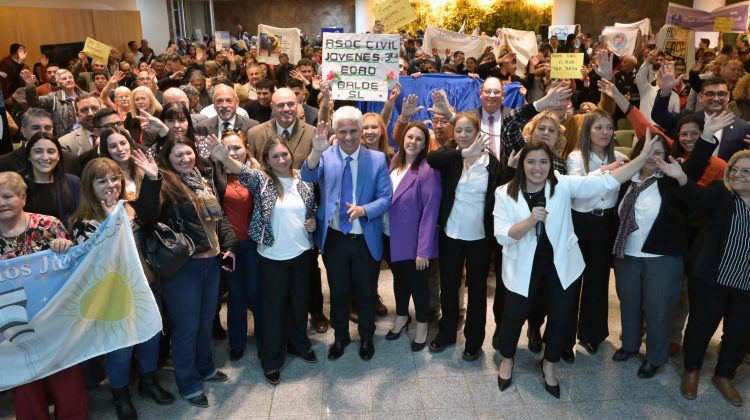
399 384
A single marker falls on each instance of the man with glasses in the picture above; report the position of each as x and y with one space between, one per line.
714 98
36 120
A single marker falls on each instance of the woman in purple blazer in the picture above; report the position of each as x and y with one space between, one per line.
413 230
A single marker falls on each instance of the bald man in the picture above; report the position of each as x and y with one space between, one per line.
285 124
225 102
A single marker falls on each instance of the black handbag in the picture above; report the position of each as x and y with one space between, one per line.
168 249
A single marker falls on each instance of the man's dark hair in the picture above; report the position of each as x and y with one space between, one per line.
101 114
265 84
727 49
15 47
661 54
97 73
711 81
294 83
706 41
305 62
174 57
84 96
448 68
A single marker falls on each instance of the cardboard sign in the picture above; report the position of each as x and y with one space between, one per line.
97 50
360 67
700 20
273 41
566 66
723 24
394 14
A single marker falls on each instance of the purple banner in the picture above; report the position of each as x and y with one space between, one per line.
687 17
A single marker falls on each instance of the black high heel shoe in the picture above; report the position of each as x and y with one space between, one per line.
419 346
503 384
394 336
553 390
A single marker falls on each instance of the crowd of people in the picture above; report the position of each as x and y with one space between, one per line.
265 172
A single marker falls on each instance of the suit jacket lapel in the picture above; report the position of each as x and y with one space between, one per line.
409 178
295 136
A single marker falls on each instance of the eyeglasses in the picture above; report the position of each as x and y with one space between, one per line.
720 95
693 133
736 172
492 91
111 125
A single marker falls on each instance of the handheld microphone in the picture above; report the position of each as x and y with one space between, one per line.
541 202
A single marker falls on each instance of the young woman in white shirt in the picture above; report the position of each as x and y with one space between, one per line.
541 258
595 222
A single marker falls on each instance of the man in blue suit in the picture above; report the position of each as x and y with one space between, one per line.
355 192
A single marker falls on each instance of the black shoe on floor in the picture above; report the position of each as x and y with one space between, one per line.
123 404
568 356
219 376
535 339
337 349
319 323
235 355
366 349
149 387
553 390
647 370
471 355
273 376
199 401
437 347
622 355
590 347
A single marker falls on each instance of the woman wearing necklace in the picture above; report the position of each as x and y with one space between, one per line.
50 190
282 224
541 257
412 230
24 233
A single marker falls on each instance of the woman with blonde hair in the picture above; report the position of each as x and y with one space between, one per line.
740 104
144 100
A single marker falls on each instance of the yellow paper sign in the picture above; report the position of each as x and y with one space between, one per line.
394 14
566 66
97 50
723 24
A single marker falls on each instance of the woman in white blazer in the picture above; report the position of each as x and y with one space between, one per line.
533 223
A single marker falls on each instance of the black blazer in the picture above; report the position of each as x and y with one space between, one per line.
668 235
732 138
714 205
450 164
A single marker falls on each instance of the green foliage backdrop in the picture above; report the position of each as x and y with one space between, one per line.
516 14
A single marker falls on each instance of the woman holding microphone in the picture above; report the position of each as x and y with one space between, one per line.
533 223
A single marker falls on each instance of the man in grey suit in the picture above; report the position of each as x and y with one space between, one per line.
225 102
286 125
83 138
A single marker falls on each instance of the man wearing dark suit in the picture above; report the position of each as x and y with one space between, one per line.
225 102
298 87
355 191
714 97
35 120
286 125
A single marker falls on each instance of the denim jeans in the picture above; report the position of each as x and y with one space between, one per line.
243 286
190 297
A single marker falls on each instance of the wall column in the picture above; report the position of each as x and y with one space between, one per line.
363 16
708 5
564 12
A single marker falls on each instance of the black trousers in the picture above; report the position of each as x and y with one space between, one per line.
454 253
595 238
350 265
284 291
410 282
557 303
709 303
498 305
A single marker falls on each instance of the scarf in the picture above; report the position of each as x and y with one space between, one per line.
207 204
627 217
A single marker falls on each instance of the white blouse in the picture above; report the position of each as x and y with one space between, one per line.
575 166
466 221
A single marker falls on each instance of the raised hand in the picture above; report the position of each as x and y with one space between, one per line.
82 57
480 144
296 74
320 138
153 122
316 81
448 52
556 96
394 93
28 77
440 104
715 122
671 169
666 77
116 78
146 163
513 158
506 58
410 106
603 65
648 146
43 60
109 203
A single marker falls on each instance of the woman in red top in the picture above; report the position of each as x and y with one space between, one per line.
243 284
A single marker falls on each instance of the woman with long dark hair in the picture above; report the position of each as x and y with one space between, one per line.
541 257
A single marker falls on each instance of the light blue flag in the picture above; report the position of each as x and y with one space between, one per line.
57 310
